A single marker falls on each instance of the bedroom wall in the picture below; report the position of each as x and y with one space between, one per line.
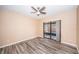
68 26
16 27
78 28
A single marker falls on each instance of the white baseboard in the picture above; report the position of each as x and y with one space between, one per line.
78 50
17 42
70 44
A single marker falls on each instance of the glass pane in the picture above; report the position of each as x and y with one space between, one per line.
53 28
47 27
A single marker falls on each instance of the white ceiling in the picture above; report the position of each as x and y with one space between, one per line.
51 9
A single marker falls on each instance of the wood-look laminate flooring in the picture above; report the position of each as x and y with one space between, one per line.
38 46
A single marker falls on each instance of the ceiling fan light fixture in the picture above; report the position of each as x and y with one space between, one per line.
38 13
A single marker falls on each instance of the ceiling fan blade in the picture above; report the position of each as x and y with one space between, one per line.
33 12
43 12
42 9
34 9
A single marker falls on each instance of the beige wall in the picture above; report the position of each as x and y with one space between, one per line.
15 27
68 26
78 28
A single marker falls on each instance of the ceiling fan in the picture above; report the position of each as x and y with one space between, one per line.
38 10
